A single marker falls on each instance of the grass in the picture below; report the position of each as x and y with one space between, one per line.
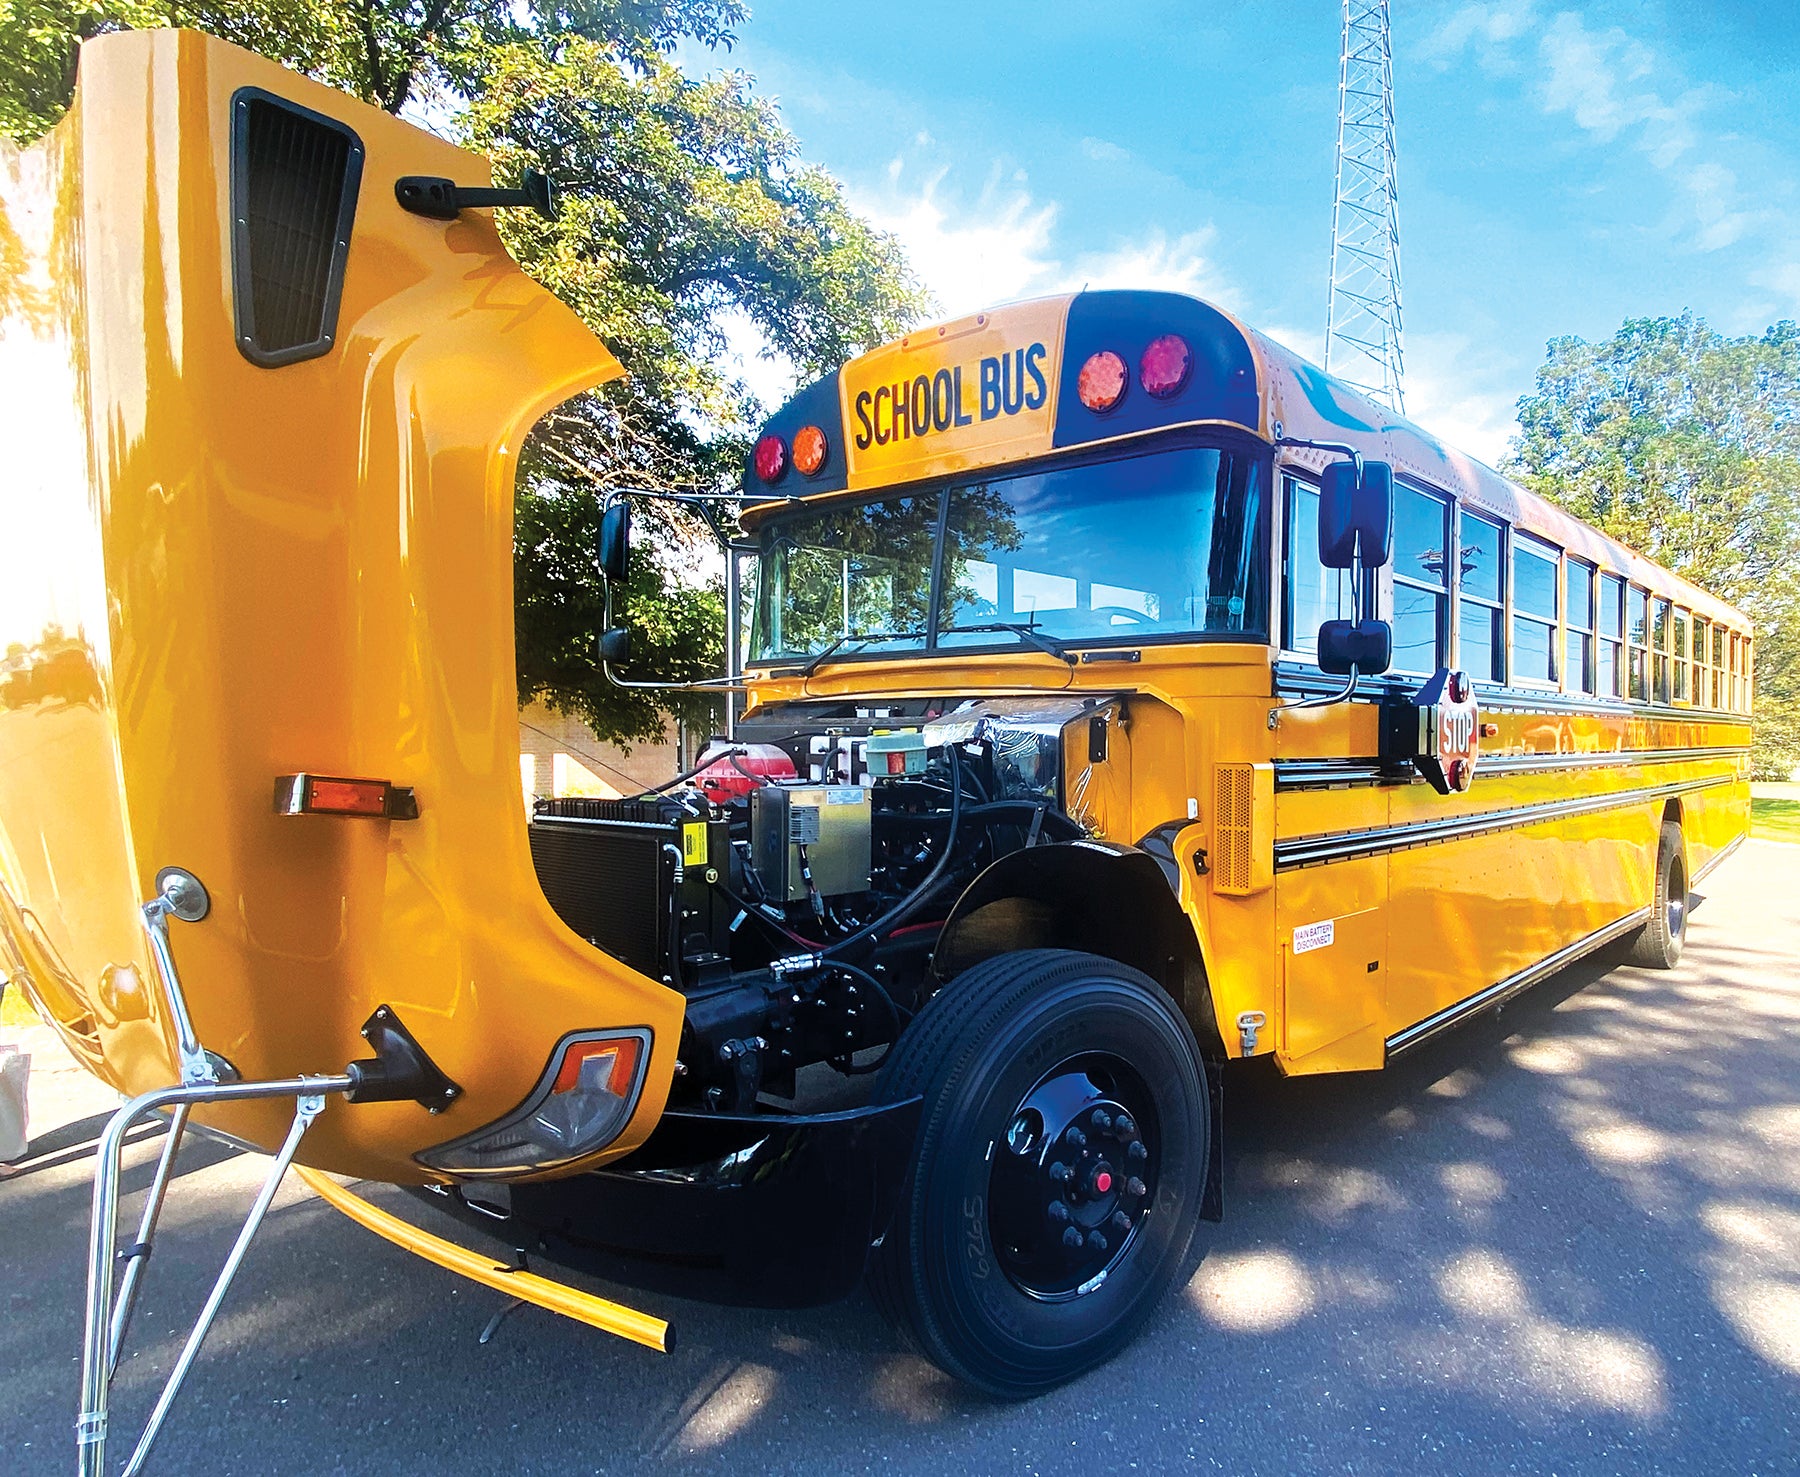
1775 820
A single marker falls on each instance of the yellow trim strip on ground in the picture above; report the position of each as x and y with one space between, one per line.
558 1297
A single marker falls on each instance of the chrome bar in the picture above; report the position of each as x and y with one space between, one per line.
305 1110
140 1251
97 1353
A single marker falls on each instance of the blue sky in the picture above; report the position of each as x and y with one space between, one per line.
1561 166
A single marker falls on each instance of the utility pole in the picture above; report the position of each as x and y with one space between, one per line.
1362 340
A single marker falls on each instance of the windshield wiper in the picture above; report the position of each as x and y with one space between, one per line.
1027 632
856 639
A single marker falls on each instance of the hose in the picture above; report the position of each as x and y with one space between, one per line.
904 909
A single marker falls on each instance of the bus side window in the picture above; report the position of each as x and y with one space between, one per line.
1700 641
1681 656
1718 667
1578 608
1480 615
1611 636
1659 645
1421 580
1640 638
1748 679
1311 593
1533 610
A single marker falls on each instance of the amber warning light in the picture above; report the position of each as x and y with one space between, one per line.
323 794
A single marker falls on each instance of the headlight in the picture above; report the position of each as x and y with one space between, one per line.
584 1098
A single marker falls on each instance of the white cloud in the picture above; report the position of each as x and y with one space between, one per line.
1002 246
1104 151
1612 87
1487 29
974 258
1783 280
1458 390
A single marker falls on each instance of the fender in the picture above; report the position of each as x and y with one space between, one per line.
1105 898
1102 897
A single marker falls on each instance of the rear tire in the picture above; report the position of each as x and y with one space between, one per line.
1658 944
1065 1101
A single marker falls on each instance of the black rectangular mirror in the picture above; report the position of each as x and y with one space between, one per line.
1366 645
615 539
1356 510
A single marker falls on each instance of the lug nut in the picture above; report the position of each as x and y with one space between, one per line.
1076 1138
1060 1172
1134 1187
1136 1152
1058 1211
1101 1121
1072 1238
1120 1221
1125 1126
1095 1241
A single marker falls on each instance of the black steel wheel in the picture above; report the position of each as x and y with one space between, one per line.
1658 944
1058 1178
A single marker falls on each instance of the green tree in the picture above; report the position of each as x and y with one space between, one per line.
1685 444
687 211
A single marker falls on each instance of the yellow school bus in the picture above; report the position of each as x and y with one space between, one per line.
1123 697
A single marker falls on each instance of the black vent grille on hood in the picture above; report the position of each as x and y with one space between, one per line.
294 179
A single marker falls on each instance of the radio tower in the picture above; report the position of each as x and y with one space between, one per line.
1363 339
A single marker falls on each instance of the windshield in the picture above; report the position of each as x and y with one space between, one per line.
1146 547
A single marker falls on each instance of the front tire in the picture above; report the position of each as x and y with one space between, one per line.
1062 1154
1658 944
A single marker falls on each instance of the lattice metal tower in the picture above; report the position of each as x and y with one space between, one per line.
1362 342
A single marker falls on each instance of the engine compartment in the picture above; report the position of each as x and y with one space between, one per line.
794 885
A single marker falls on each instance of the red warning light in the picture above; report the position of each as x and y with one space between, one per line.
1101 383
1163 369
771 458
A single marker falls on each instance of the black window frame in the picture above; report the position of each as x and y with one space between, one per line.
1498 607
1533 546
1587 680
1294 480
1615 639
1637 646
942 488
1444 593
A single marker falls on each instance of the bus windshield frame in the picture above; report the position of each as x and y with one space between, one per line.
901 572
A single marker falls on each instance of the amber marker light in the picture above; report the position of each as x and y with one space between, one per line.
614 1061
1163 369
1101 383
320 794
810 450
771 458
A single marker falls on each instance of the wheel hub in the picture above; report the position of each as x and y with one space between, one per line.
1073 1180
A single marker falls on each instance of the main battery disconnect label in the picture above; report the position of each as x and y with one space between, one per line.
1315 936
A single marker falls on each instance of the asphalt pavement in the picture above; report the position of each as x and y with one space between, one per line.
1564 1239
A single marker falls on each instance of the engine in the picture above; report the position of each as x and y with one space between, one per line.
794 886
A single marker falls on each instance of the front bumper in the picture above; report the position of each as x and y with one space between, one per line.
762 1210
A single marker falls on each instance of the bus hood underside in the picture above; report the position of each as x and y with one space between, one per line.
231 555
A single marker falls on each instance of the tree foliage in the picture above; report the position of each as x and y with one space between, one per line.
688 214
1685 444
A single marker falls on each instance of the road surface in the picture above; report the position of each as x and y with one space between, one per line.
1564 1239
